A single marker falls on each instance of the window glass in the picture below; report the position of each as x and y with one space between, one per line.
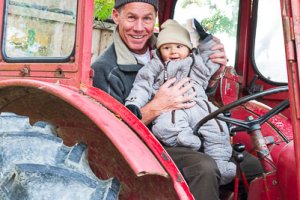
217 17
269 51
39 28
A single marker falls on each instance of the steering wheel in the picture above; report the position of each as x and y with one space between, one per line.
246 125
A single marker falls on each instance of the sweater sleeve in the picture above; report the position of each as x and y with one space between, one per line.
205 51
105 79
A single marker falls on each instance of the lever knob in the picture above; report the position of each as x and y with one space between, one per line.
239 157
239 147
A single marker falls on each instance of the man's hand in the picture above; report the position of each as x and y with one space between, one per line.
220 58
169 97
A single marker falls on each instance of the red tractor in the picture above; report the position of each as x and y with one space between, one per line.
62 138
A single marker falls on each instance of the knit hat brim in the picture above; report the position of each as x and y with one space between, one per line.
173 32
119 3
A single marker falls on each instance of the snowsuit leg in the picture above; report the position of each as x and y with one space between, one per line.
216 143
173 129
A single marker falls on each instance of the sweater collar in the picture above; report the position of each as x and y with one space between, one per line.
125 58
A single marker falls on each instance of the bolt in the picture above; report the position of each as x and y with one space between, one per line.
25 71
165 156
250 118
179 178
59 73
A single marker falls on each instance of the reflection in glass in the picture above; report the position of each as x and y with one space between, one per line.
40 28
269 43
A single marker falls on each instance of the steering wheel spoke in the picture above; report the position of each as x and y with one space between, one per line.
247 124
237 122
283 105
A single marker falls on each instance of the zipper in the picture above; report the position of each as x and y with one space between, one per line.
209 110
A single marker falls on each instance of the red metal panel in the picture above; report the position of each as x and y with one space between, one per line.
265 188
244 40
291 9
1 27
228 90
296 26
286 170
165 10
78 67
84 35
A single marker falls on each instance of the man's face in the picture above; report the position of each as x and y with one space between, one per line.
173 51
136 24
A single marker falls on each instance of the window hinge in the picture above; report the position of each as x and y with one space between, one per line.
290 38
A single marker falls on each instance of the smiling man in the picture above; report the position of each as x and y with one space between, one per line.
135 25
116 68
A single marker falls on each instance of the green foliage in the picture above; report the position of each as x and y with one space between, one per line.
221 19
103 8
185 3
219 22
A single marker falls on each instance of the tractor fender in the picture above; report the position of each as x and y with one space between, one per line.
119 145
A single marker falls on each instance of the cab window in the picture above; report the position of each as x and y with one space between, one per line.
35 30
219 18
269 51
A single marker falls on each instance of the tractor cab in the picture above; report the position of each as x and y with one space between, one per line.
98 145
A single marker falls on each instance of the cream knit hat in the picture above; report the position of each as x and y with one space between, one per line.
173 32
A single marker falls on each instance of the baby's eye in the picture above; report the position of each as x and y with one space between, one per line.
165 48
179 46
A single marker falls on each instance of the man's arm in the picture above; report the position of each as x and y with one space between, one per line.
220 58
107 81
168 97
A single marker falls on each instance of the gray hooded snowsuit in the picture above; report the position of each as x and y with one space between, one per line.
175 128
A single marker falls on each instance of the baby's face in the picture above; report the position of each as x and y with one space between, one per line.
174 51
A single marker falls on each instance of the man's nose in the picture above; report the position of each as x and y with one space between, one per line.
139 25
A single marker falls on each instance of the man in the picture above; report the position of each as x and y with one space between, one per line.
115 71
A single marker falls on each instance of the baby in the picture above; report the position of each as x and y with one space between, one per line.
175 57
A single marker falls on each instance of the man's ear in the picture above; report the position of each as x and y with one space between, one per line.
115 16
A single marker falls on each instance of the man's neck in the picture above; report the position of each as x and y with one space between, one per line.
143 58
124 55
141 51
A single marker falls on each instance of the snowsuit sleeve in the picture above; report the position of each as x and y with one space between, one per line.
204 68
142 90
